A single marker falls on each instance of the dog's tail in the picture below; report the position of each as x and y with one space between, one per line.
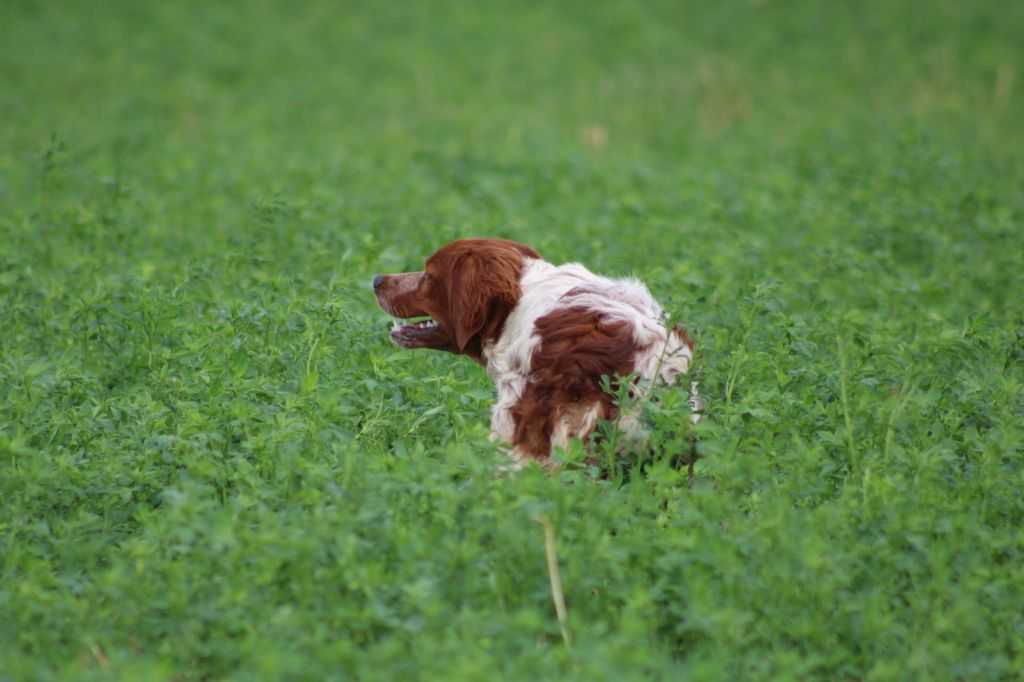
696 402
696 414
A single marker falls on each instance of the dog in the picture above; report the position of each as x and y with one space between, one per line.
545 333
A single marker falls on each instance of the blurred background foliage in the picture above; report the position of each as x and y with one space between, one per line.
214 465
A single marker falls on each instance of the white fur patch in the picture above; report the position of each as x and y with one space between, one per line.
573 420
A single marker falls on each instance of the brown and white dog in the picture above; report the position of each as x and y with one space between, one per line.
545 333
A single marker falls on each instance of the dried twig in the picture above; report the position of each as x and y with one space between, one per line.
556 579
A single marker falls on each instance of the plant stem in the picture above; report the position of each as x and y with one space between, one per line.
556 579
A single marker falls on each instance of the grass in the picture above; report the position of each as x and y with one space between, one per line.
213 464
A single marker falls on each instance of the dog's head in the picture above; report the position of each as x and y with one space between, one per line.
466 291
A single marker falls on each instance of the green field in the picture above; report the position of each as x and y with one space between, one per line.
214 464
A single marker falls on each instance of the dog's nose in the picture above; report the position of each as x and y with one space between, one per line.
377 281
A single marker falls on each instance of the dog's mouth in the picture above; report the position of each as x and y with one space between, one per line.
418 333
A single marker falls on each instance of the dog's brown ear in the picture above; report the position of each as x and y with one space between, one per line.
483 287
525 250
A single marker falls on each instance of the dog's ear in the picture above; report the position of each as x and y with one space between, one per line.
483 287
525 250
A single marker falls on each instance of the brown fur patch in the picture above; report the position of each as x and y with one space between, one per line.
683 336
578 346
